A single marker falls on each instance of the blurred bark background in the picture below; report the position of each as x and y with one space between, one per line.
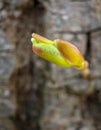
37 95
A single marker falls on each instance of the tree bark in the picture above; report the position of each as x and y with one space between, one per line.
43 96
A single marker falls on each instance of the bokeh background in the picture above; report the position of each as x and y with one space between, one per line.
37 95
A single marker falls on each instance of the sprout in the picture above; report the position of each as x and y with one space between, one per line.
58 52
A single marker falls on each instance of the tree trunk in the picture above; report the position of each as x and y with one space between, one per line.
39 95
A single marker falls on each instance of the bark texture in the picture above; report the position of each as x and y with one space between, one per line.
38 95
